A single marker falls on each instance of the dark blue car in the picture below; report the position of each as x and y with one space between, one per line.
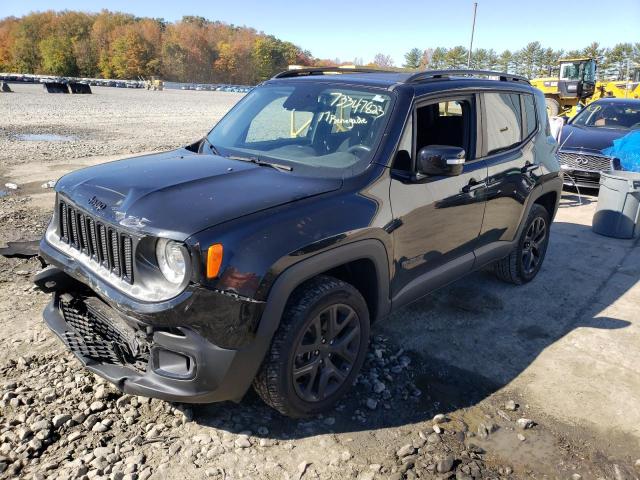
590 132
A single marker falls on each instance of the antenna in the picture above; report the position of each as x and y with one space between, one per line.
473 29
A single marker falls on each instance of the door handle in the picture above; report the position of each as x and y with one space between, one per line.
473 185
529 167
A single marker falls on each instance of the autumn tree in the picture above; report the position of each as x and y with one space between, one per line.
57 56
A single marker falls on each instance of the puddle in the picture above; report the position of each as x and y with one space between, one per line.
44 137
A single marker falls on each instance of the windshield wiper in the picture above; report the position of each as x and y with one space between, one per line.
262 163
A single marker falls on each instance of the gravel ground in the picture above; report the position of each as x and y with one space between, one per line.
408 417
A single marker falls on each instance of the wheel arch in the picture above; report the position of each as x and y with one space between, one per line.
333 260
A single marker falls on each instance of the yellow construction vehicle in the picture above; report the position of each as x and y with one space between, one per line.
154 83
575 85
629 88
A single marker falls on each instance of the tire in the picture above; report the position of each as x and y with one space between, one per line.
553 107
516 267
304 343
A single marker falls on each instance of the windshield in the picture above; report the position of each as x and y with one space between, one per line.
313 127
609 115
579 70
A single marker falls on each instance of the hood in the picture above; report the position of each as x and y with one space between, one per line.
594 139
179 193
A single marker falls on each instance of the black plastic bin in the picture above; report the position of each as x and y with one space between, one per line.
618 213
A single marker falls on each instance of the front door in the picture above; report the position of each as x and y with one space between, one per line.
438 218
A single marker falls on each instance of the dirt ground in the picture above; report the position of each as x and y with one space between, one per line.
539 381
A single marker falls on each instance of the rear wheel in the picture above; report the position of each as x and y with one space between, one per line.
553 107
524 262
318 349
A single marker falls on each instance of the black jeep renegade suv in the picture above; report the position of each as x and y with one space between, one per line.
321 202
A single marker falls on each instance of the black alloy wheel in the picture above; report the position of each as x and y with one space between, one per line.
326 352
534 242
318 349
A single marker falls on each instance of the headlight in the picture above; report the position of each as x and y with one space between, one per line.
172 259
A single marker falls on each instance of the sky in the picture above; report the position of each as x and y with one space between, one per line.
347 29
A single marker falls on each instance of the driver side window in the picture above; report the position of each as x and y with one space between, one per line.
444 123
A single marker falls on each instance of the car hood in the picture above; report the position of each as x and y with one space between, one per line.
179 193
594 139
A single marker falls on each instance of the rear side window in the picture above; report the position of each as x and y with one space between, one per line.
529 114
503 122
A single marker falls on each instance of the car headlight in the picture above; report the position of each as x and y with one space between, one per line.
172 259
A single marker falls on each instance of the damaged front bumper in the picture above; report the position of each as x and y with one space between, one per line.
181 365
164 350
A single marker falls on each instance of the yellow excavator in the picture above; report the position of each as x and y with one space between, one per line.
576 86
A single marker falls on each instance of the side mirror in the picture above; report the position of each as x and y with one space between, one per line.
441 160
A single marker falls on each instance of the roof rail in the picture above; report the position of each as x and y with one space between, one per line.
303 72
438 74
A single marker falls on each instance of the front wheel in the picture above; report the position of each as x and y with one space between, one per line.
524 262
318 349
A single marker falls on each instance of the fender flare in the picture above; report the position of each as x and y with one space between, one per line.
293 276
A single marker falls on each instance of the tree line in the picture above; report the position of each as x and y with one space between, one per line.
532 61
118 45
194 49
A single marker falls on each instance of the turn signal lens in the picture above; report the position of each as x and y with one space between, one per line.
214 260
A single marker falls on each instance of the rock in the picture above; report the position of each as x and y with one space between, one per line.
265 431
437 429
101 392
524 423
242 442
366 475
327 421
379 387
135 459
99 427
11 186
96 406
24 433
637 465
40 425
434 438
511 406
406 450
372 404
445 464
345 455
439 418
576 476
521 437
483 431
60 420
74 436
302 467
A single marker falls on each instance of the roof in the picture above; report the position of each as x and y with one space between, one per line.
388 79
632 101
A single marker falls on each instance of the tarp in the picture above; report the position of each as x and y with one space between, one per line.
55 87
627 149
76 87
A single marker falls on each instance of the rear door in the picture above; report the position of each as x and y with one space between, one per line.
510 123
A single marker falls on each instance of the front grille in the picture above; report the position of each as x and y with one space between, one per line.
93 334
110 248
583 161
